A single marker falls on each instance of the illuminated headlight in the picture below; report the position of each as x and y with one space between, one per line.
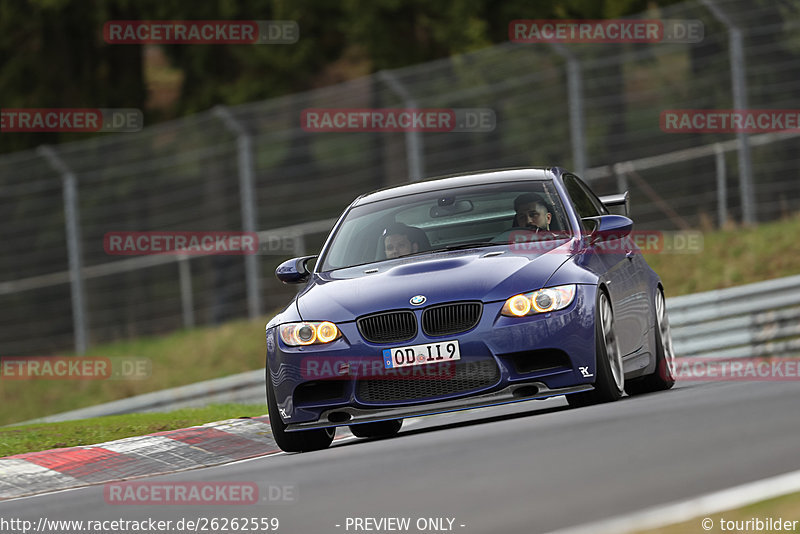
542 301
309 333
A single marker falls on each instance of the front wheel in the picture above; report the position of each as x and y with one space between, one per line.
609 384
663 377
299 441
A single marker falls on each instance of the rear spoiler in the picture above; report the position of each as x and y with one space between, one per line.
620 199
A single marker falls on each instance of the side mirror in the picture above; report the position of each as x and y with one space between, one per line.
294 271
608 227
622 199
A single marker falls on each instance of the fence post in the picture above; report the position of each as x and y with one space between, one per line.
299 243
722 190
187 299
739 87
577 128
414 147
621 177
73 231
247 200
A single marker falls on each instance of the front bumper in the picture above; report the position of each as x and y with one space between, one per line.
502 342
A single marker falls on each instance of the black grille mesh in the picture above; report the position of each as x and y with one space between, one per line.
388 327
453 318
467 376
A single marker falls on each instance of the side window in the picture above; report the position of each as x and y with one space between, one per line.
596 201
583 203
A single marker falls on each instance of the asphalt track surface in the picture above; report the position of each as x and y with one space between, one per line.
529 467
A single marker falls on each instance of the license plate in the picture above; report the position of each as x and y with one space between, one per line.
444 351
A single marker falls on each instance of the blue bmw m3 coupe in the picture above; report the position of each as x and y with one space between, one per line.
462 292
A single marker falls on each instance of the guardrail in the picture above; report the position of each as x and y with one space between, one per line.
740 322
752 320
242 388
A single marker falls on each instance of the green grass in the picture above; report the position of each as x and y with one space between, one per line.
177 359
39 437
732 257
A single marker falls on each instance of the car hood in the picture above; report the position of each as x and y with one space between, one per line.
345 294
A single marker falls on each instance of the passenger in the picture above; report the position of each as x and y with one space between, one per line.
401 240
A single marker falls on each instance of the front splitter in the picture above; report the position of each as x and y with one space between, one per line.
509 394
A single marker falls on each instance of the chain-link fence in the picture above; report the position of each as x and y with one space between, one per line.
591 107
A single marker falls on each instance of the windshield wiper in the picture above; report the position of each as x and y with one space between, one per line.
452 247
480 244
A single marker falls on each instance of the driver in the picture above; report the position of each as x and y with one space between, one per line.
532 212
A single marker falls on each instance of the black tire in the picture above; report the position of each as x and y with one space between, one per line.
380 429
609 383
663 376
301 440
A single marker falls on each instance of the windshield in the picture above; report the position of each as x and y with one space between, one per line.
462 217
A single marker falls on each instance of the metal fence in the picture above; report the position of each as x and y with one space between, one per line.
592 107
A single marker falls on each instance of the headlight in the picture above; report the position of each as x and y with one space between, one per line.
542 301
309 333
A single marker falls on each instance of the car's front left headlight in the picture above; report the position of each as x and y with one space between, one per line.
545 300
309 333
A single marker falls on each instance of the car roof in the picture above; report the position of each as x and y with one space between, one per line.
459 180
